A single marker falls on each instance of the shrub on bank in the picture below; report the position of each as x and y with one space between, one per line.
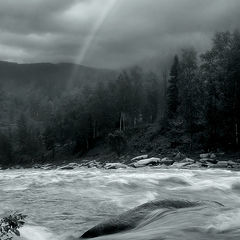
9 225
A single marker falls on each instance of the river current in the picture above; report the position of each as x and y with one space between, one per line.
63 204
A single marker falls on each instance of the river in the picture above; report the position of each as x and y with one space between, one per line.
63 204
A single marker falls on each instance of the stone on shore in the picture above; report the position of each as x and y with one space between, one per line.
92 164
209 160
179 156
234 165
141 157
194 165
166 161
69 166
205 155
115 165
180 164
213 155
47 166
188 160
146 162
222 164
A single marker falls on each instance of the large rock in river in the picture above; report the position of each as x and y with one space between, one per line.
132 218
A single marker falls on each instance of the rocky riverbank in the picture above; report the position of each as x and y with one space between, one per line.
178 161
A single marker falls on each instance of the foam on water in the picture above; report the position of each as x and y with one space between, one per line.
149 196
225 221
70 202
36 233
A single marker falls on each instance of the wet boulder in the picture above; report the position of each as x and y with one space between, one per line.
132 218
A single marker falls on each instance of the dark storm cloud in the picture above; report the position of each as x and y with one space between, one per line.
58 30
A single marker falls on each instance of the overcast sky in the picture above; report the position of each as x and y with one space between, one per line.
109 33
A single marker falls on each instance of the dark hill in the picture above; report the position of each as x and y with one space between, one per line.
50 78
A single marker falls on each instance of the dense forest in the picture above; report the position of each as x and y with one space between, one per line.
195 106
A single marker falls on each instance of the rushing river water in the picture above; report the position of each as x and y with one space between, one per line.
62 205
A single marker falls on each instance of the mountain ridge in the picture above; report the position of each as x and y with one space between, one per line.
51 76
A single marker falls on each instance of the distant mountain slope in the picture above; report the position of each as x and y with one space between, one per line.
50 78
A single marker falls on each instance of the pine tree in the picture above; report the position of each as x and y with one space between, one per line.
22 134
172 92
219 91
234 76
6 149
188 92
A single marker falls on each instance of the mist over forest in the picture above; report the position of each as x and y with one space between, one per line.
191 105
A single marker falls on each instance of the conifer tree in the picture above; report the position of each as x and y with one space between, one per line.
172 92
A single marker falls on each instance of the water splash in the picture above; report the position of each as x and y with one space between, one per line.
36 233
225 221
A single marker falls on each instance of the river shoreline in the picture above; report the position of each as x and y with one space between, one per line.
230 161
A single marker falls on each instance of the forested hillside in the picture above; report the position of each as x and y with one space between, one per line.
47 112
204 95
44 111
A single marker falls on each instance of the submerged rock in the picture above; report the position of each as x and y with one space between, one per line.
146 162
132 218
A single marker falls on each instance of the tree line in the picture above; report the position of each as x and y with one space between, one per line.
72 124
